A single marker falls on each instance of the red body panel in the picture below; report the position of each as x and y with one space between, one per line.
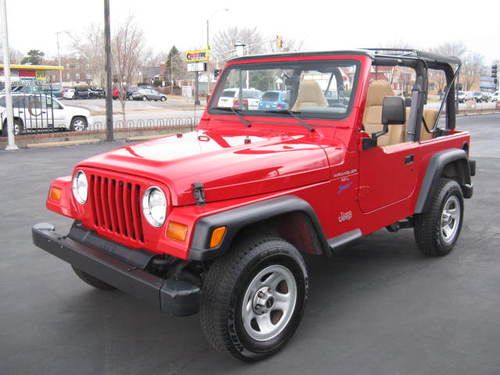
347 187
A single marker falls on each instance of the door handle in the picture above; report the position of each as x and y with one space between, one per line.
409 159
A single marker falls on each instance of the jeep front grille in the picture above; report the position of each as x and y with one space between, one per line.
116 207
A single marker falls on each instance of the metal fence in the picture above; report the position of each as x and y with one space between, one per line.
41 113
33 113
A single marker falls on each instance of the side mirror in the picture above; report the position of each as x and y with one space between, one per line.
393 113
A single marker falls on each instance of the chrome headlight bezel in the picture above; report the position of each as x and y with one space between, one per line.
80 187
157 217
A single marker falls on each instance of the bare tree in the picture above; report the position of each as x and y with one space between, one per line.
128 47
471 71
15 56
90 48
223 46
457 49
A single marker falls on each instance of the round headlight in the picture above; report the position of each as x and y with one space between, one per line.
154 206
80 187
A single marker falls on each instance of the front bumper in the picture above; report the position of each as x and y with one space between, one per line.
176 297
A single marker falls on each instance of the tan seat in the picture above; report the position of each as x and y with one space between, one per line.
372 118
309 95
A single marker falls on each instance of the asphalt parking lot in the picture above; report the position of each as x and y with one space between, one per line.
378 307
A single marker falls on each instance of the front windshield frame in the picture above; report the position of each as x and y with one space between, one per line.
343 62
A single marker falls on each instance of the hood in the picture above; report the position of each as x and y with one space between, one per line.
228 164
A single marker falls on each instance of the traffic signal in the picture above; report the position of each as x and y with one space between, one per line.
216 73
494 73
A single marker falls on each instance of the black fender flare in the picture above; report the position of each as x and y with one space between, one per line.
434 171
240 217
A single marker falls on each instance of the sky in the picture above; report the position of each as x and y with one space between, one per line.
319 25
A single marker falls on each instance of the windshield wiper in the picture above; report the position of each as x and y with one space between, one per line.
296 117
236 112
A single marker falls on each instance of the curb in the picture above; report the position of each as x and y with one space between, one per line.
63 143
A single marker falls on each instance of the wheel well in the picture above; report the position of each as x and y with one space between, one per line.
14 118
456 170
78 116
294 227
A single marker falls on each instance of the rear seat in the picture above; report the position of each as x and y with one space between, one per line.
430 116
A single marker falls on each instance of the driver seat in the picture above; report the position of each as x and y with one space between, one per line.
372 118
309 95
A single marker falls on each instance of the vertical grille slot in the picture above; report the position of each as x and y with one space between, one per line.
115 207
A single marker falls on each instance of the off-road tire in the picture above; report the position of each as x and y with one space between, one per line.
428 233
226 284
92 281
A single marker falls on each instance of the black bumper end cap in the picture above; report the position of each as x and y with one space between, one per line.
472 165
468 190
176 297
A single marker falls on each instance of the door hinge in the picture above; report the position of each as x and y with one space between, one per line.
199 194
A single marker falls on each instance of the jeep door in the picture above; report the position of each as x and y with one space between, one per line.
387 171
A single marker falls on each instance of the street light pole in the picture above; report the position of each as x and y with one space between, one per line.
208 61
11 144
109 94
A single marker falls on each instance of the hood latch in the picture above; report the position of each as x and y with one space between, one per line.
199 194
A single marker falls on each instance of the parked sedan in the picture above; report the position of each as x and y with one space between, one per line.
148 94
82 92
68 93
96 92
39 112
231 97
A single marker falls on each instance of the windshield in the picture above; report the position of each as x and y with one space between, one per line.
321 89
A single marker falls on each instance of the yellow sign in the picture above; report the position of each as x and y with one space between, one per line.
40 75
200 55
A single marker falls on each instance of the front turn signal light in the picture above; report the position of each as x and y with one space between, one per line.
55 193
176 231
217 236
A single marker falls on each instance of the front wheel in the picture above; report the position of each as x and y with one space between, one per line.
438 229
253 298
144 98
163 99
79 124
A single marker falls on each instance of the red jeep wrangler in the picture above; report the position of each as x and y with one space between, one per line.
311 152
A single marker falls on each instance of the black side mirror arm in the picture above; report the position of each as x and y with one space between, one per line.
368 143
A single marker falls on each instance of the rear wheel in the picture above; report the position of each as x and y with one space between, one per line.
144 98
91 280
163 99
18 127
437 230
253 298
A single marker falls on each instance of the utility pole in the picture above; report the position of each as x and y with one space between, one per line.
11 144
109 94
59 58
196 88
